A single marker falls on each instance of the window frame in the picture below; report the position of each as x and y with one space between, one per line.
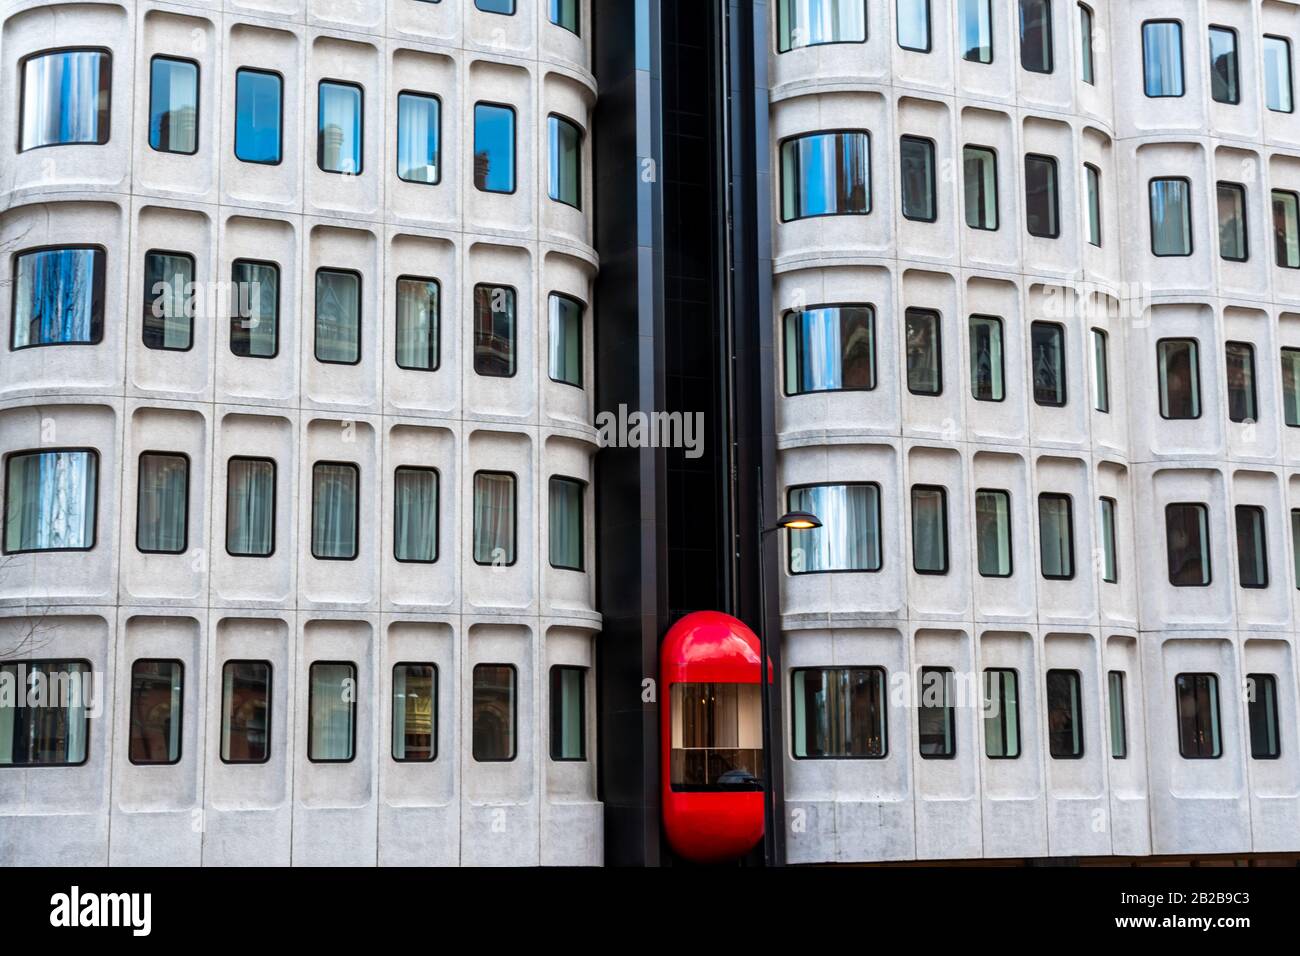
1011 544
988 8
1255 512
514 145
270 703
433 716
1100 363
877 670
514 713
1182 62
8 477
776 29
352 706
99 267
311 543
1209 555
997 187
1236 62
937 318
780 177
1196 383
1015 683
437 512
948 707
106 66
786 318
275 488
554 699
582 330
1282 355
1290 75
1088 63
1069 522
1109 536
437 338
1054 164
515 336
1059 330
943 514
561 119
361 127
315 324
932 186
1112 712
1002 353
1217 716
193 278
180 713
87 674
198 105
139 491
279 152
1078 700
582 523
397 154
1256 680
1294 197
1050 29
1253 385
1093 202
880 548
236 318
514 533
1240 190
929 28
1151 216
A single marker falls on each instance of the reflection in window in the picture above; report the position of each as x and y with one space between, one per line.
1036 35
494 518
496 6
494 331
173 105
415 515
849 539
924 352
801 23
1179 373
839 712
1286 228
717 737
1187 544
826 174
415 713
917 177
1225 71
1291 387
565 161
50 499
1093 176
564 13
250 507
419 127
1171 217
65 98
1087 69
494 712
929 529
980 176
914 25
338 141
254 308
155 734
1047 362
331 712
1042 203
1232 222
1100 371
338 317
246 712
494 148
1241 381
162 504
1162 57
58 297
1198 716
976 31
169 301
1109 554
1064 715
55 733
335 510
993 532
936 716
1001 714
1261 703
986 364
1056 536
565 334
417 323
568 713
1118 722
1277 74
830 348
1252 549
258 96
565 520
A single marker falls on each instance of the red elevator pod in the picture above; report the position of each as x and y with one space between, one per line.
711 733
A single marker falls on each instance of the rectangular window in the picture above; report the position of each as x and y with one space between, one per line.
848 541
338 317
335 510
173 105
1118 723
565 519
1232 222
929 530
1198 716
980 178
254 309
58 297
936 717
917 178
830 348
494 148
1056 536
162 504
717 738
564 13
1162 57
826 174
1240 358
418 318
914 25
1109 552
565 161
1179 373
838 712
494 714
246 712
50 500
1265 742
1036 35
1042 203
494 518
976 31
332 712
259 100
924 352
496 6
1093 176
1087 59
415 515
415 713
1064 715
1100 371
419 132
1047 343
155 734
987 381
1295 544
1286 228
568 713
339 128
168 301
250 507
1252 547
1277 74
803 23
1001 714
565 334
993 532
494 331
1291 387
55 733
65 98
1225 71
1187 544
1171 217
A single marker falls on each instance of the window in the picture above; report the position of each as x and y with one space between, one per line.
162 504
1198 716
1187 543
339 128
50 500
1001 714
58 297
993 532
565 333
924 352
1056 536
173 105
1042 204
415 713
838 712
255 309
1286 228
418 323
826 174
565 162
419 133
976 31
830 348
803 23
246 712
1232 222
259 101
717 738
335 510
1225 70
936 718
494 518
1261 704
250 507
1295 544
1171 217
568 713
1109 555
566 523
54 734
1064 715
331 712
494 715
1162 57
849 539
155 735
1252 549
1047 340
415 515
1179 372
494 148
1087 61
917 177
914 25
1093 176
65 98
1118 723
168 301
494 331
564 13
1100 371
986 363
929 530
1277 74
1291 387
1241 381
1036 35
338 317
496 6
980 176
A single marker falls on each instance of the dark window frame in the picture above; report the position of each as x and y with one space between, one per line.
311 544
4 518
514 712
236 318
780 177
1065 365
87 674
190 302
582 523
1052 163
1002 354
437 512
139 491
555 700
105 79
437 700
97 301
932 186
1015 683
937 318
514 533
790 314
1240 189
1255 681
270 700
437 338
929 29
275 488
1182 61
1196 373
198 103
1077 693
1217 715
1209 555
789 538
948 707
361 127
279 135
1151 216
883 686
1254 511
179 716
514 146
315 338
1254 381
947 551
582 140
582 340
1011 544
352 704
1069 521
776 30
420 94
1236 63
515 340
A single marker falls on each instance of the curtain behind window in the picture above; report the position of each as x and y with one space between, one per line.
57 299
51 501
334 511
333 706
566 523
415 515
161 503
250 507
494 518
